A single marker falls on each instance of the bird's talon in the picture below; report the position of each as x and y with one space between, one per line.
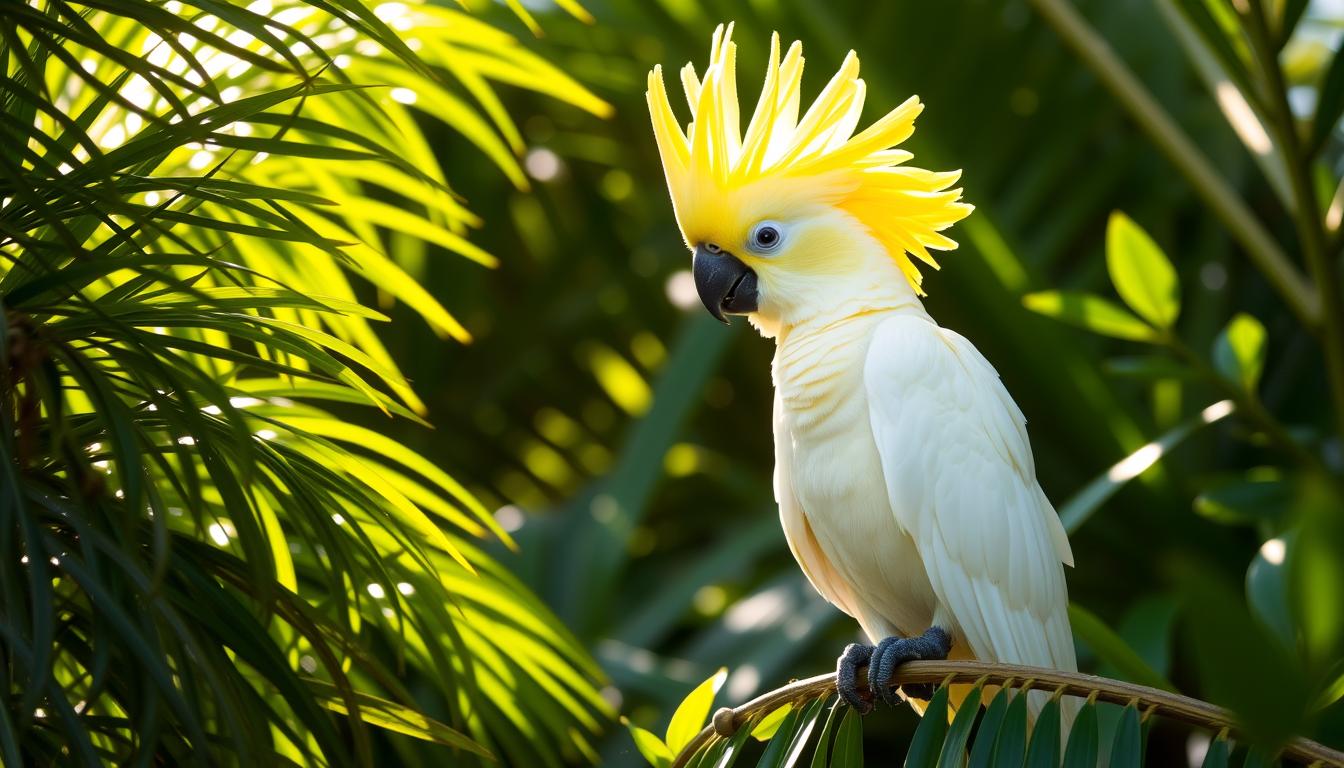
855 656
883 661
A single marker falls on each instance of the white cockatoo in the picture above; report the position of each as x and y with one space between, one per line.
904 476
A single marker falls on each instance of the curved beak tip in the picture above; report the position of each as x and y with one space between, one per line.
726 285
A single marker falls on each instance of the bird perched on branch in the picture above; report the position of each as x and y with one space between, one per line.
904 476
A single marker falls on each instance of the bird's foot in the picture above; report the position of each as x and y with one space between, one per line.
882 661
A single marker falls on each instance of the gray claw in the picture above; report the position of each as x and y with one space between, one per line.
894 651
855 655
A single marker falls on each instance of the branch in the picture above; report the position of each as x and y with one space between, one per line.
1307 213
1186 156
1171 705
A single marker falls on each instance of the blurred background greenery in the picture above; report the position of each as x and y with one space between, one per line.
627 436
622 437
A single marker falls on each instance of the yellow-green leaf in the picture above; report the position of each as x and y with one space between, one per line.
693 711
1239 351
766 728
1141 272
649 745
1090 312
392 716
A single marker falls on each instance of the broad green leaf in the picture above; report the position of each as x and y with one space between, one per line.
1267 586
1081 751
927 742
1316 575
953 754
1127 749
1141 272
982 751
1043 751
649 745
1092 313
848 749
1239 351
1111 648
1218 754
765 729
1011 743
694 710
1245 501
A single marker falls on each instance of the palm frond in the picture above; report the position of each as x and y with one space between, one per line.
202 555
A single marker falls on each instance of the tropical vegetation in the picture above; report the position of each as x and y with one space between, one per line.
251 250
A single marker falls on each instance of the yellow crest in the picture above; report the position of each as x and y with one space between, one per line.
904 208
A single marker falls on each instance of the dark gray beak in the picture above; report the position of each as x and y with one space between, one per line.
726 285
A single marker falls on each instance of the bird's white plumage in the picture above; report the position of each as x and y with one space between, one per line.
907 488
962 483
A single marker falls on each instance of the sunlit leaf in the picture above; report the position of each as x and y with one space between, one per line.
1239 351
650 746
1141 272
693 711
764 730
399 718
1092 313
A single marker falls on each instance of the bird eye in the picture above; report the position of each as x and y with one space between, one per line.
766 236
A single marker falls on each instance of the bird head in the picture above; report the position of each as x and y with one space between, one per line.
797 218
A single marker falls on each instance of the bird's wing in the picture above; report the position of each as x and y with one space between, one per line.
962 484
798 532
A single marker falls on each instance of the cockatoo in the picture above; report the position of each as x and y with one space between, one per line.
903 473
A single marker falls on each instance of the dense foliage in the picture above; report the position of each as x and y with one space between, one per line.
204 561
1171 493
204 217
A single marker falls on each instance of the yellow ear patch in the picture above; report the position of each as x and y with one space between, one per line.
904 208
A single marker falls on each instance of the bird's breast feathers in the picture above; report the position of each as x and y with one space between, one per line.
902 455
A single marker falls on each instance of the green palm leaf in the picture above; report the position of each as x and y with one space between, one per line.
204 559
